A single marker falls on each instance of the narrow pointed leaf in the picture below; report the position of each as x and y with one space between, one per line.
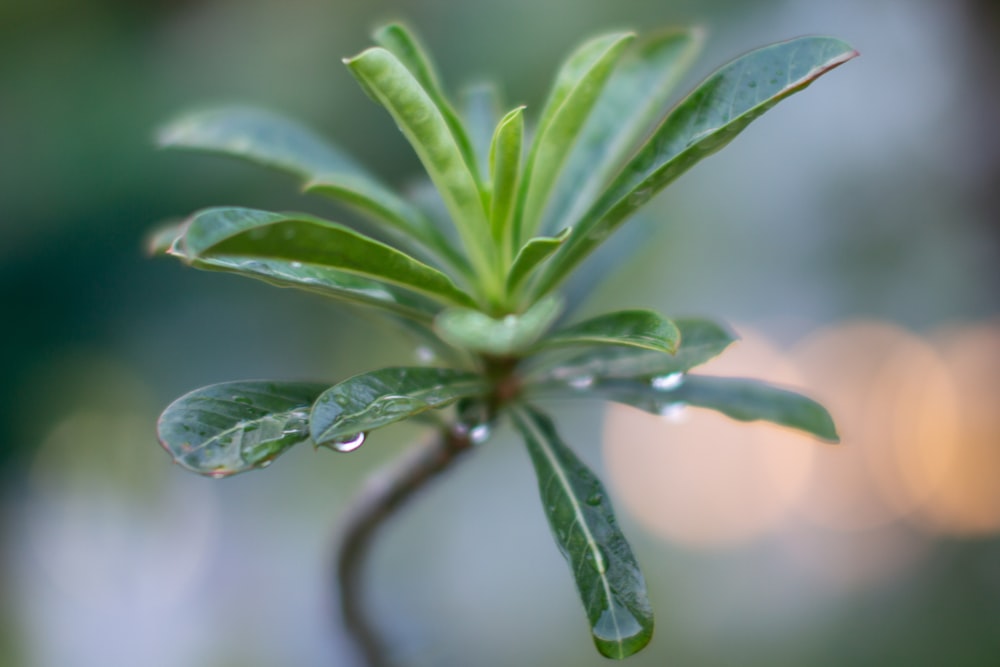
708 119
577 86
402 43
643 329
271 140
391 84
378 398
340 285
232 427
531 255
505 169
477 332
700 340
738 398
480 107
309 240
611 586
634 98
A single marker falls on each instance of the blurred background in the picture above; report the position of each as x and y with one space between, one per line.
850 235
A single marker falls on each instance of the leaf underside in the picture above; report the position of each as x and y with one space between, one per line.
611 586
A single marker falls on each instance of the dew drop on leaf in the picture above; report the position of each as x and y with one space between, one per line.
349 443
479 434
582 382
667 382
424 354
675 412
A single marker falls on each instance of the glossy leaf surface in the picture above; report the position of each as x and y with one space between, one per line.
633 328
402 43
477 332
634 98
308 240
531 255
611 586
232 427
700 340
505 171
738 398
577 86
391 84
341 285
708 119
378 398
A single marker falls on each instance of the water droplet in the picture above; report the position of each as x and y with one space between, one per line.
595 499
296 265
218 473
479 434
667 382
582 382
425 355
675 412
265 463
349 443
615 624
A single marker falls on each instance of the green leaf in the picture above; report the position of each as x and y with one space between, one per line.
271 140
505 168
309 240
738 398
530 256
391 84
634 328
232 427
577 86
328 282
480 105
700 340
378 398
634 98
611 586
475 331
708 119
402 43
260 136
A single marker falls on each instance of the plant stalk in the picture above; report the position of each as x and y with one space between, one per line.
384 492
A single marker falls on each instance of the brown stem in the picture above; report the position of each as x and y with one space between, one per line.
383 493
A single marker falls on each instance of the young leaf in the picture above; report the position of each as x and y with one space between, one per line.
378 398
635 97
232 427
505 168
738 398
475 331
530 256
391 84
480 107
643 329
340 285
708 119
577 86
607 575
403 44
700 340
271 140
309 240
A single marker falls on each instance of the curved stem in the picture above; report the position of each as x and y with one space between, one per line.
382 494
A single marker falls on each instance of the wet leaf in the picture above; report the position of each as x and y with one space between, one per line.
378 398
232 427
611 586
633 328
704 122
305 239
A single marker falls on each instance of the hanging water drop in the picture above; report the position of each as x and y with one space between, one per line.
675 412
296 265
479 434
667 382
349 443
582 382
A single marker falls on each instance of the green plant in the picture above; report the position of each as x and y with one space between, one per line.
481 282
